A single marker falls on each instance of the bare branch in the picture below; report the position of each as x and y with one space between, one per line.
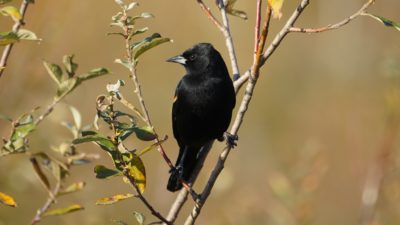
229 43
209 14
336 25
16 27
226 32
143 199
47 204
275 43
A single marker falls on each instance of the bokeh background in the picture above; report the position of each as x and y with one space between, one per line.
313 131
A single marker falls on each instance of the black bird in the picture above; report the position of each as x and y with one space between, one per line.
202 108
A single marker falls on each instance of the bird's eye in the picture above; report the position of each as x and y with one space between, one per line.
192 57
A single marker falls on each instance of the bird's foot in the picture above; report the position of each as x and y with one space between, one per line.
231 139
178 170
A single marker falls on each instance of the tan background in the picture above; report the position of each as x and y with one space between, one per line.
311 132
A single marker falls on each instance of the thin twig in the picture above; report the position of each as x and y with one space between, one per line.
138 91
275 42
16 27
258 24
336 25
229 43
225 29
143 199
49 109
209 14
47 204
236 125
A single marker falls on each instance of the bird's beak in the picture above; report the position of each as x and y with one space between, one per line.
177 59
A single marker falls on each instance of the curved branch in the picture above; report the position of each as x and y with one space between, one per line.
16 27
336 25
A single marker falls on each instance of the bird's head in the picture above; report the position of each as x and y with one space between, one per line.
198 58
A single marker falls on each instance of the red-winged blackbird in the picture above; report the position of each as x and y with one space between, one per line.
202 108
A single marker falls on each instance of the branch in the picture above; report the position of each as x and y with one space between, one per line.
336 25
236 125
138 91
209 14
275 43
47 204
226 32
16 27
143 199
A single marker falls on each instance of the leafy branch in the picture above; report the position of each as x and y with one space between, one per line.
9 38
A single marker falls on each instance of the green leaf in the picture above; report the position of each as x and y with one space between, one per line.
131 20
7 200
40 174
131 6
77 117
386 22
94 73
139 217
139 31
23 126
54 71
120 222
235 12
113 199
148 43
5 117
73 188
145 133
11 11
124 63
24 34
103 172
104 142
62 211
70 65
149 148
276 6
67 86
7 38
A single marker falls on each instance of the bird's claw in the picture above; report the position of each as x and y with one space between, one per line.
231 139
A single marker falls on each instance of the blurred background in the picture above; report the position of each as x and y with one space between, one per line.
314 129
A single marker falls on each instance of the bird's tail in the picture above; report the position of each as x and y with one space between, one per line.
184 166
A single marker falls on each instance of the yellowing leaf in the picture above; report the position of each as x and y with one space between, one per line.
73 188
113 199
276 6
7 38
62 211
11 11
7 200
138 172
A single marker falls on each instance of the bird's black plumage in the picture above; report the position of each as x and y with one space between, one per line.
202 108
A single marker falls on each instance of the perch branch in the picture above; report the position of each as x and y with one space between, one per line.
236 125
16 27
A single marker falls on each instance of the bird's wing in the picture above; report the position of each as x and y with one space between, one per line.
175 111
